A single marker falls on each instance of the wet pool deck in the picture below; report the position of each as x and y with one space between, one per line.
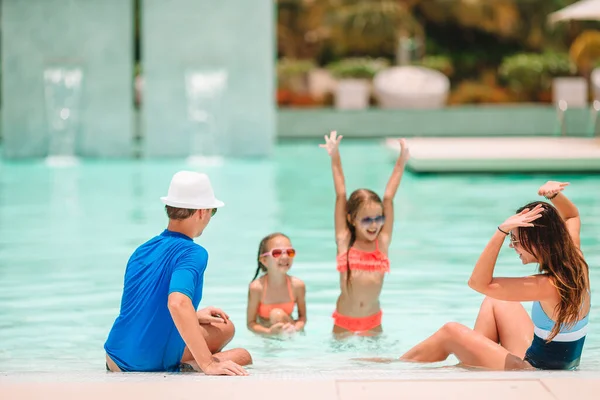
343 385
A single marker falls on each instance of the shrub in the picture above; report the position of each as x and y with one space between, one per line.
358 68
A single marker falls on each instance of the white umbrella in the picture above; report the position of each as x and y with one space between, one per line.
585 10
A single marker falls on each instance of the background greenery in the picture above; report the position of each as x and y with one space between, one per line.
493 51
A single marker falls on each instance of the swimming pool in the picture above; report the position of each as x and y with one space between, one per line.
66 235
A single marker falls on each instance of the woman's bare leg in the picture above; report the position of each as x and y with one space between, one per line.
470 347
506 323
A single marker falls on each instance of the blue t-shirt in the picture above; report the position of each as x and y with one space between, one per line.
144 337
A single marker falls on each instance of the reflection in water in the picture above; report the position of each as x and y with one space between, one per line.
381 344
64 195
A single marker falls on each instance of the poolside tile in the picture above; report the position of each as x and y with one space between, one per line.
564 388
223 389
436 390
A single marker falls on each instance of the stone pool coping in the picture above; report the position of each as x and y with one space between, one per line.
341 384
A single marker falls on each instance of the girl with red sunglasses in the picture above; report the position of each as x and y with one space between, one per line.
363 232
273 296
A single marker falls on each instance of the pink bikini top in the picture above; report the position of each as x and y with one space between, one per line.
363 260
264 310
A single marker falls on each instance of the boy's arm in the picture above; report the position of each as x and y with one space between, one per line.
185 280
185 319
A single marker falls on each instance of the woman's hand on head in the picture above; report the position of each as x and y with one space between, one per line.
524 219
331 143
552 188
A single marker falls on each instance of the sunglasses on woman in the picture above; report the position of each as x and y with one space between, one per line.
276 253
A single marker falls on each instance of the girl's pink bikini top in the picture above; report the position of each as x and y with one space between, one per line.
363 260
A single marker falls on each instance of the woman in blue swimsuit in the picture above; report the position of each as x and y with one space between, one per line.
505 337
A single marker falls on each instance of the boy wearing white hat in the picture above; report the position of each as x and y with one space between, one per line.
158 328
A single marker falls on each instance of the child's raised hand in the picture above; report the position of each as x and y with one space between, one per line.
404 153
331 142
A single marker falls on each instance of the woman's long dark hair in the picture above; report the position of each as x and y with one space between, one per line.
356 200
558 257
262 248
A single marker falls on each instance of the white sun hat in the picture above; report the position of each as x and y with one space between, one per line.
191 190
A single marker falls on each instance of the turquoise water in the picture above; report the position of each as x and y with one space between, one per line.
66 235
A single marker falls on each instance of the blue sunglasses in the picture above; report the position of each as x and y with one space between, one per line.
369 220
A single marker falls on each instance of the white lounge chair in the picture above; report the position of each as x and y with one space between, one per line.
411 87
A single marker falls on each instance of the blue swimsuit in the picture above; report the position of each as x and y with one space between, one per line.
564 351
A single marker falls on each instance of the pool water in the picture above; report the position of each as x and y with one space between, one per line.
66 235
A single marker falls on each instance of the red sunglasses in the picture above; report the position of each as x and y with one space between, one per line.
276 253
